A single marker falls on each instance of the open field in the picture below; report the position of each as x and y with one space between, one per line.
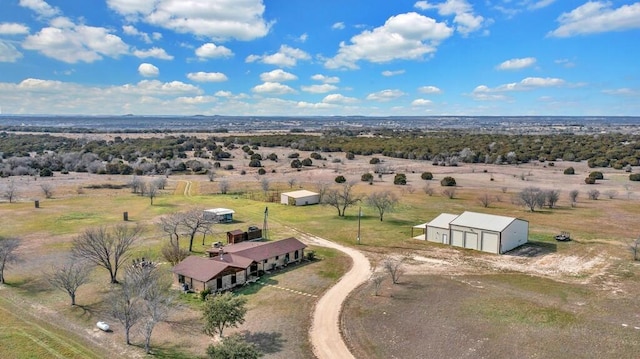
540 296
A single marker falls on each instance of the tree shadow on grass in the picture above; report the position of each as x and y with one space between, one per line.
268 343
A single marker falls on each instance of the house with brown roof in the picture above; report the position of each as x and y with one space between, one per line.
236 264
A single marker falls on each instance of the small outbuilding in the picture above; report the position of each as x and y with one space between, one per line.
299 198
220 215
479 231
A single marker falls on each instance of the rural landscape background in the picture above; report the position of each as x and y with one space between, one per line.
544 299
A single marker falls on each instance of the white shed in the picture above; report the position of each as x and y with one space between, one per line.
221 215
479 231
299 198
438 228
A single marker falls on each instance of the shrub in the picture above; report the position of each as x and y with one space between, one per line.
350 155
426 176
340 179
255 163
228 167
590 180
367 177
294 155
374 161
634 177
315 156
307 162
400 179
256 156
262 171
597 175
46 172
569 171
296 163
272 157
448 182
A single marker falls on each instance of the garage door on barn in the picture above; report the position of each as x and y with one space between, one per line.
471 240
457 238
490 242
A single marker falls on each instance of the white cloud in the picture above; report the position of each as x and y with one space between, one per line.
484 93
154 52
303 38
465 19
148 70
40 7
285 57
72 43
385 95
337 26
8 52
273 88
196 100
625 91
421 102
278 75
392 73
326 79
10 28
212 51
157 88
432 90
218 20
337 98
597 17
540 4
407 36
324 88
207 76
131 30
517 64
565 63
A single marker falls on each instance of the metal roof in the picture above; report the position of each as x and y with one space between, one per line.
220 211
300 194
442 221
489 222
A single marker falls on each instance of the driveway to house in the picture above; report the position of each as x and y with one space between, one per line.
325 329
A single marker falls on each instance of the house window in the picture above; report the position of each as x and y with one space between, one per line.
286 258
277 257
296 255
265 261
180 278
219 283
233 279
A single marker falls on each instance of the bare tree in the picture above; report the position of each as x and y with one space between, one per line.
47 189
573 195
8 255
485 200
634 248
152 191
171 225
449 192
211 174
384 201
321 188
70 276
173 254
593 194
126 306
194 222
265 184
376 279
551 197
393 266
341 198
611 194
160 182
135 183
532 197
428 190
223 185
10 191
292 182
106 249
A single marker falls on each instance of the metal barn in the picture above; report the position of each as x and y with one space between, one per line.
300 198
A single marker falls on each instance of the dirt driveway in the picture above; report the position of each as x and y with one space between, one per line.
325 333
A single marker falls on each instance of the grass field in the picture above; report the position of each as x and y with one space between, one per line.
568 286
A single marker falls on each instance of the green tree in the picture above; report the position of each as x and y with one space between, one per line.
569 171
448 182
340 179
367 177
233 347
222 311
400 179
427 176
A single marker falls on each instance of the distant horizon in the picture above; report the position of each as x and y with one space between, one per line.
379 58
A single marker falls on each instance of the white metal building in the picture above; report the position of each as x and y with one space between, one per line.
221 215
299 198
480 231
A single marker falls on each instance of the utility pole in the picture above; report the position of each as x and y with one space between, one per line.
359 216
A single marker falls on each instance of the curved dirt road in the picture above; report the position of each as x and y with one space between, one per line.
325 329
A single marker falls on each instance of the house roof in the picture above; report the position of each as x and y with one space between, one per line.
201 268
259 251
442 221
300 194
489 222
236 232
220 211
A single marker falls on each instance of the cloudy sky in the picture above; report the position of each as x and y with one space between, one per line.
330 57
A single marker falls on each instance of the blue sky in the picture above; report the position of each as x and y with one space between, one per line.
301 58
